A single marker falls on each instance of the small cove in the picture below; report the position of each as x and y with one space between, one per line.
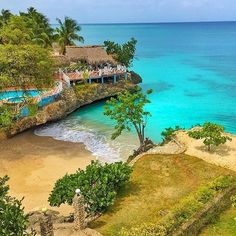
189 66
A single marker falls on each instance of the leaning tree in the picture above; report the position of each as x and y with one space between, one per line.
128 110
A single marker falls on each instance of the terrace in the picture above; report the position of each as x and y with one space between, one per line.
108 74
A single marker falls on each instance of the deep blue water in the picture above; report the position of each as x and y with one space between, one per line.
190 66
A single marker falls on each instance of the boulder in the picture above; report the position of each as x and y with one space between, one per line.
135 78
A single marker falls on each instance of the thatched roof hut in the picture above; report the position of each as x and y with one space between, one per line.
93 55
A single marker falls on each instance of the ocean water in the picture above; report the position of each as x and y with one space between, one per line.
191 68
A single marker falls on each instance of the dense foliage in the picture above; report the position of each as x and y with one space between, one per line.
67 33
12 218
169 133
99 185
183 211
22 65
41 29
128 111
211 133
7 115
123 53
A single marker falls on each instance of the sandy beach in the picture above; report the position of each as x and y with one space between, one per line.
223 155
34 163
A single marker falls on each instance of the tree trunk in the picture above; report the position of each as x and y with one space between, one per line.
209 148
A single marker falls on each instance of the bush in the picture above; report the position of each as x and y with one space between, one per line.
183 211
99 185
7 116
233 199
169 133
12 218
212 135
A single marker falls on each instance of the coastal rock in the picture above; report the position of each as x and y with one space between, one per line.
69 100
23 124
3 135
135 78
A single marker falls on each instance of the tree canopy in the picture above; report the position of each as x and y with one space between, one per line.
99 185
42 31
128 111
123 53
213 134
67 33
16 31
24 65
13 221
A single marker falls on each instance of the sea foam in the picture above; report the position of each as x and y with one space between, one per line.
93 141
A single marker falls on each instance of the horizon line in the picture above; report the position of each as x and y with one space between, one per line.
167 22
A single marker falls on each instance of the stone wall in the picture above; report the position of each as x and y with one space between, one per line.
211 210
68 102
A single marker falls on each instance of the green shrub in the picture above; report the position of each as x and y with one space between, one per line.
12 218
6 116
212 135
85 90
233 199
169 133
221 183
99 185
183 211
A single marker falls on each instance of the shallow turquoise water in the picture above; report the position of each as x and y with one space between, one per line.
190 67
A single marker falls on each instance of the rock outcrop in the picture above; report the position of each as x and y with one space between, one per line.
69 100
135 78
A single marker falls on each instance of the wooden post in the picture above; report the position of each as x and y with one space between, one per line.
102 80
126 76
46 225
79 211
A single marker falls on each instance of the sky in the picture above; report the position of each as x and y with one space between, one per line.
130 11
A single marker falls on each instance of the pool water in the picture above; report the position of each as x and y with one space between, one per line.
17 96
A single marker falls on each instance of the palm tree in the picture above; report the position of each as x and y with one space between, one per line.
4 16
43 32
67 33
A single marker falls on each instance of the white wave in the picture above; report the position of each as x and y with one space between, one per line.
94 142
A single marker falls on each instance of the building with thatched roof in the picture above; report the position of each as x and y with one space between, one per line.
93 55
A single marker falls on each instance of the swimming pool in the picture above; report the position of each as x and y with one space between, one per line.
17 96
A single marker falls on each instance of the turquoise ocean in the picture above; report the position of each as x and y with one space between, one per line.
191 68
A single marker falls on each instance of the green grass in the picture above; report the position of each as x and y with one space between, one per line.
225 225
157 184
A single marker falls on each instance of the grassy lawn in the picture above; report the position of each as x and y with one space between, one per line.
158 182
224 225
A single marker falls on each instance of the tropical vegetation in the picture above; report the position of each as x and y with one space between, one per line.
159 185
67 33
99 184
128 111
25 65
169 134
123 53
13 221
211 133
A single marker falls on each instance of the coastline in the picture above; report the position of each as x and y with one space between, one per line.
34 163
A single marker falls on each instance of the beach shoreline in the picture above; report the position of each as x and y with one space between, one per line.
34 163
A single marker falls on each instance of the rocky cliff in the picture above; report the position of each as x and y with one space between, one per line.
69 100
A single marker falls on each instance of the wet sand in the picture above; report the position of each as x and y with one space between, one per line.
34 163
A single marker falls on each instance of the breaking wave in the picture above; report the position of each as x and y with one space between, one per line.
93 141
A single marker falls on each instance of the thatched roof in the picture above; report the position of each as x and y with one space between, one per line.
91 54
